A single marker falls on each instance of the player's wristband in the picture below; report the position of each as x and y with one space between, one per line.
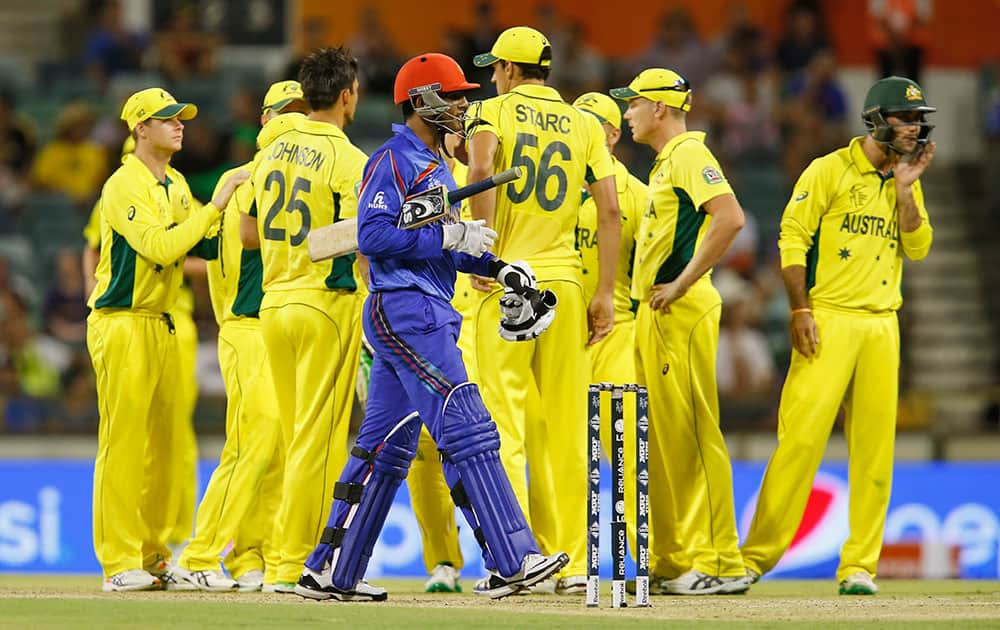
801 310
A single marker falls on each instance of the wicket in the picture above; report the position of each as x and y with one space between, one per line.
618 529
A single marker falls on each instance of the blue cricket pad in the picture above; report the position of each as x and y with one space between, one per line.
362 502
471 443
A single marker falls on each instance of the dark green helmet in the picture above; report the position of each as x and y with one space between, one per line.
895 95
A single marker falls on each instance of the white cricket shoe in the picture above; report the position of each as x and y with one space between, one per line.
753 576
859 583
212 581
132 580
572 585
313 585
544 587
443 579
534 568
698 583
283 588
250 581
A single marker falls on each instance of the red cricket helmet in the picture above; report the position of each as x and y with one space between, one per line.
429 69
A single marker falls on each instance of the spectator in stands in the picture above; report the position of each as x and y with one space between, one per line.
900 35
111 48
185 50
485 31
76 411
376 51
745 367
576 67
244 113
72 164
203 159
803 37
17 148
813 114
741 102
678 44
36 362
741 37
65 309
313 36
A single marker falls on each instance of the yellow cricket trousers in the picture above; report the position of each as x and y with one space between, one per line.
551 441
857 364
184 467
136 365
692 517
613 361
232 506
313 341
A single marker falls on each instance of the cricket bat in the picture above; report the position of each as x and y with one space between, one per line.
433 204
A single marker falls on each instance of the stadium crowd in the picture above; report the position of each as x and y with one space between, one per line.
770 101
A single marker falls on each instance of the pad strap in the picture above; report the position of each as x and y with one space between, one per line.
362 498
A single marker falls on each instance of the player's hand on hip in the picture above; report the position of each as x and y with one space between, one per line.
470 237
664 295
910 171
600 317
805 334
482 283
221 200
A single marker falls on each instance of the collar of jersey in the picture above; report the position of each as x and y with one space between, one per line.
418 144
287 122
859 158
532 90
136 167
672 144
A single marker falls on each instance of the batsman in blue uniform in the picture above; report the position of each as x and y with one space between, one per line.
417 374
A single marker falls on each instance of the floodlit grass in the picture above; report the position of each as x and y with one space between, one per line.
33 601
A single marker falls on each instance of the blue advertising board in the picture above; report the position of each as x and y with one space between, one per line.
45 518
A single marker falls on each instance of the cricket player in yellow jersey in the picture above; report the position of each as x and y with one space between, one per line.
690 221
529 125
430 496
612 360
243 494
182 468
307 175
853 215
148 225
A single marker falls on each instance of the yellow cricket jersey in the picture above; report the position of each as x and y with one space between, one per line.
841 224
234 278
147 228
631 200
466 298
92 236
558 146
684 177
306 175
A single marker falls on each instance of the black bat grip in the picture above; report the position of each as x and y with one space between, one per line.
490 182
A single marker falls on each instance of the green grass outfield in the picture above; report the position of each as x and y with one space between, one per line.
33 601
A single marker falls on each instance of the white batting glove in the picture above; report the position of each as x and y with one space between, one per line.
470 237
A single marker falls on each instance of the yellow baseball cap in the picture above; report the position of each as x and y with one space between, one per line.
602 106
658 84
280 94
520 44
155 103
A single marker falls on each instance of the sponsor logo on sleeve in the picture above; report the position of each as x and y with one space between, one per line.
378 201
712 175
802 195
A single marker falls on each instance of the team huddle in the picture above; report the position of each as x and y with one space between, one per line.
593 276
